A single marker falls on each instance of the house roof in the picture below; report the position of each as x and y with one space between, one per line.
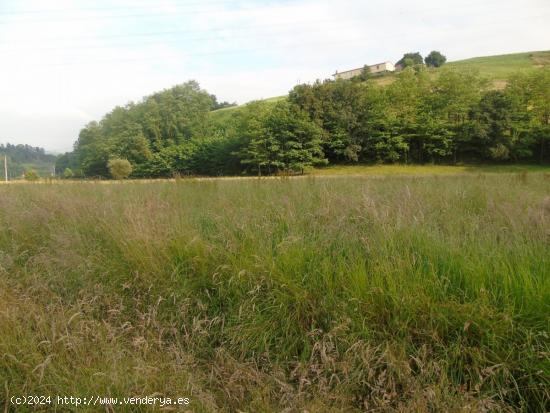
360 68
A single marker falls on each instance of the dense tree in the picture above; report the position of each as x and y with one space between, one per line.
22 157
334 106
68 161
420 118
25 153
138 131
451 117
410 59
529 94
258 147
435 59
281 139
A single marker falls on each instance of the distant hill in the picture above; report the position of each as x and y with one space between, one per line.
22 158
497 68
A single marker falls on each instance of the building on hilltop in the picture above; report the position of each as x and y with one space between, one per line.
377 68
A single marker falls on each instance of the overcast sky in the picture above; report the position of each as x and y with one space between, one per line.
64 63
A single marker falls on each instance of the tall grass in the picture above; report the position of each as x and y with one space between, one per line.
320 294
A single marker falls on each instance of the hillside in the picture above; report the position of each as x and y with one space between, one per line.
497 68
177 132
500 67
23 158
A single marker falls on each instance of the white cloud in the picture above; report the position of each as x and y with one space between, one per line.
62 68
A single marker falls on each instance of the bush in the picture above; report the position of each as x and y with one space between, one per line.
119 168
31 175
68 173
500 152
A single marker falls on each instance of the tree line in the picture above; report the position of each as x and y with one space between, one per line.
25 153
446 116
26 160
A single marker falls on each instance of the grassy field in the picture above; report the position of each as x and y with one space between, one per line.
398 169
401 293
222 116
500 67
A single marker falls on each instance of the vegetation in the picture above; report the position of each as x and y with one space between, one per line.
502 66
435 59
31 175
68 173
427 169
119 168
22 158
453 117
410 59
409 294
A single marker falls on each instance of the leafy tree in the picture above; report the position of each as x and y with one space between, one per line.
257 150
297 139
450 102
494 116
138 130
120 168
529 95
92 150
281 138
132 145
410 59
404 116
67 161
435 59
335 107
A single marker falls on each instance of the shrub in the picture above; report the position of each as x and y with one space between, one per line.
31 175
68 173
500 152
119 168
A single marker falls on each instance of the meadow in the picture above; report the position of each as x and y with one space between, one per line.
502 66
395 293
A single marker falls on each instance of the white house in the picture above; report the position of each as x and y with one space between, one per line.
377 68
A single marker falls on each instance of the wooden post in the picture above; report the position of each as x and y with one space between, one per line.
6 168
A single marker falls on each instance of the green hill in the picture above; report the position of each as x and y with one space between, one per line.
497 68
500 67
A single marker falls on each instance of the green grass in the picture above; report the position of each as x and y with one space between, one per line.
224 115
396 169
500 67
401 293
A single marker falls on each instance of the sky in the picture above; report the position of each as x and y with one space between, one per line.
65 63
